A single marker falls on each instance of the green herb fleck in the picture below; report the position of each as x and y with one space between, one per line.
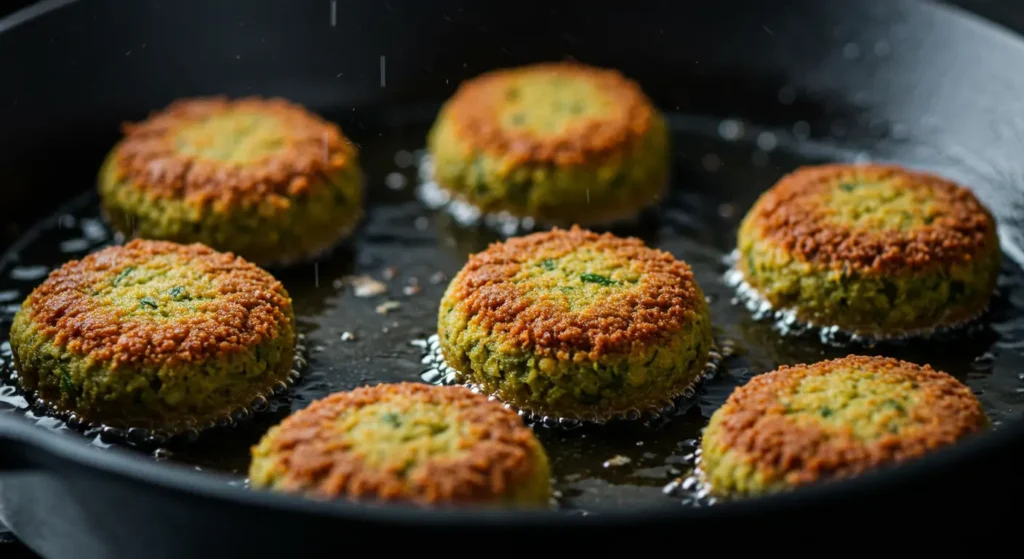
178 293
392 419
547 264
594 278
148 302
651 360
65 384
826 411
895 405
848 187
124 273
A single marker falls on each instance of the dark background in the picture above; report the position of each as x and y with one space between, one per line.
1007 12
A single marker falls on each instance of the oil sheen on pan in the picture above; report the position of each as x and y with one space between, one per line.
367 312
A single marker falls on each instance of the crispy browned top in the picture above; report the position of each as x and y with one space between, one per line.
653 294
757 425
942 222
307 148
475 110
316 450
82 306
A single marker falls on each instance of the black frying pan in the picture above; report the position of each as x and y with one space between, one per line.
883 79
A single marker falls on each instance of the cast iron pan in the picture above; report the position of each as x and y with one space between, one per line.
752 89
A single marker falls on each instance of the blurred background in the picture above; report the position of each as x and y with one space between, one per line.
1008 12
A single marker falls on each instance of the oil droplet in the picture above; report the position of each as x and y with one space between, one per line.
94 230
74 245
984 362
785 321
29 273
395 181
467 215
403 158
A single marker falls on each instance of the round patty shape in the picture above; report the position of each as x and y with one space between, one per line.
875 250
154 335
573 324
562 143
407 442
834 419
262 178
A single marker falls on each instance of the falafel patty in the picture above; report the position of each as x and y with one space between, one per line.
262 178
876 250
154 335
573 324
834 419
562 143
409 442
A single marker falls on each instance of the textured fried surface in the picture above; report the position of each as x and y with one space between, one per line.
214 149
116 304
877 251
575 324
602 294
154 335
406 441
872 218
559 112
561 143
838 418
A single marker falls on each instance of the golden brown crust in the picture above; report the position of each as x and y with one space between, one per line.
251 307
756 426
497 450
311 148
793 216
474 109
664 301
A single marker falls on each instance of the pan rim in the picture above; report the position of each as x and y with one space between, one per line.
72 452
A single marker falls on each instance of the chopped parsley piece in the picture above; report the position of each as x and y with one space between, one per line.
124 273
65 384
547 264
177 293
391 419
148 302
895 405
594 278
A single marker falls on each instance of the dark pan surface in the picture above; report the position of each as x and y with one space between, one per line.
720 167
907 80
